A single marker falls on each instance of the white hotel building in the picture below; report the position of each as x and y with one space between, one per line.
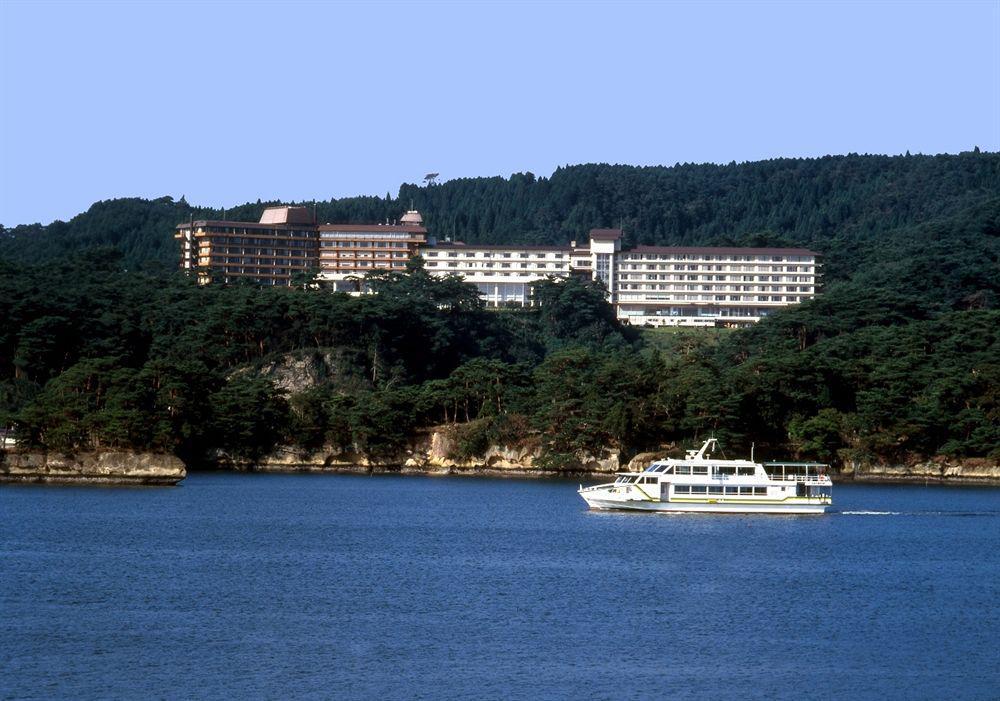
648 285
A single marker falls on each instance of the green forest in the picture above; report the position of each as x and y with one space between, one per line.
104 344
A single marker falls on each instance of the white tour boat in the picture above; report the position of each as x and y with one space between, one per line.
702 483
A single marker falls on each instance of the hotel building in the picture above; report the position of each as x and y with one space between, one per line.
348 251
270 252
647 285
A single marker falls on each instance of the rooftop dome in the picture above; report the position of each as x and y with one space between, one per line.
412 217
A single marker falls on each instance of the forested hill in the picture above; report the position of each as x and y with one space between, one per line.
897 361
831 204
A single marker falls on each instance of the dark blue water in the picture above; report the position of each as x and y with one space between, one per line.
407 587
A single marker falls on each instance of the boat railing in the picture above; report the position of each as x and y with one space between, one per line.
796 478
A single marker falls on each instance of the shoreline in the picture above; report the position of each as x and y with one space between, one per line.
120 468
536 473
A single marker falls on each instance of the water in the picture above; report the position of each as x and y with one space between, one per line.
273 586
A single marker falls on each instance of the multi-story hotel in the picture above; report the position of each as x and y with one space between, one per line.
648 285
283 243
347 251
503 274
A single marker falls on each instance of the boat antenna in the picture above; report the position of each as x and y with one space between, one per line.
752 445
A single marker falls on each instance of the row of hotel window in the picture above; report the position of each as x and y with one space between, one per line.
354 235
258 241
718 278
716 288
645 315
254 232
240 251
628 258
744 298
363 244
349 256
716 490
719 268
721 257
221 260
491 254
486 266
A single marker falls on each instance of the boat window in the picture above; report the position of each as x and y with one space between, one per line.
746 490
760 491
682 489
731 490
725 470
683 470
745 471
668 469
715 490
649 480
660 468
699 470
698 490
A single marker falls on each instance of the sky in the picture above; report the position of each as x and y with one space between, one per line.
228 102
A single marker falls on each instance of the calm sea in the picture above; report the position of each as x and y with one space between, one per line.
274 586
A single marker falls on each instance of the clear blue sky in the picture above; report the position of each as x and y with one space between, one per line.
227 102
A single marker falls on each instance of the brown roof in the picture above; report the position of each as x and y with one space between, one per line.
606 234
499 247
375 228
723 251
245 224
360 228
286 215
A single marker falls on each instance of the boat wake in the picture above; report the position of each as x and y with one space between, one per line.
917 513
870 513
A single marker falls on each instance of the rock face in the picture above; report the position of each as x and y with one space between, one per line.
971 471
431 453
121 468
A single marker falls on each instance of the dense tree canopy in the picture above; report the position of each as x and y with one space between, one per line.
103 345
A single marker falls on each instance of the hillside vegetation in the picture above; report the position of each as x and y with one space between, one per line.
103 345
831 204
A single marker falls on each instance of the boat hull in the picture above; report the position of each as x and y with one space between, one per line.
720 507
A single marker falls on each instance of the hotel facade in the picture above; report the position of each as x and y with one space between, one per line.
647 285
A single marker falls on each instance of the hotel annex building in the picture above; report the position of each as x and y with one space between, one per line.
647 285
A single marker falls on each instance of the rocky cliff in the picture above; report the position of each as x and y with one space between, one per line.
434 453
431 453
122 468
971 471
